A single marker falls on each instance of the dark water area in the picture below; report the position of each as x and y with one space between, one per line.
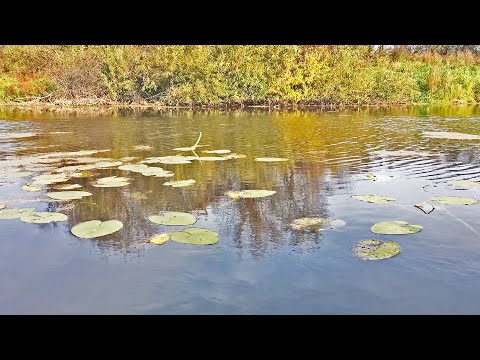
260 265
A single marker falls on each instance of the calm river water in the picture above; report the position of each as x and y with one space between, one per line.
259 265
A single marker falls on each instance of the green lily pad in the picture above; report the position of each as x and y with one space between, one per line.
68 187
137 195
143 147
68 195
107 164
211 158
48 179
250 194
223 151
235 156
310 224
159 239
14 213
17 135
180 183
395 228
465 184
450 135
111 181
373 198
270 159
157 172
31 188
173 218
43 217
375 249
195 236
15 174
133 167
96 228
453 200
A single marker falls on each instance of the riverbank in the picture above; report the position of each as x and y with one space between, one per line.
232 76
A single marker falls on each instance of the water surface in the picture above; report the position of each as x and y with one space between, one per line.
260 265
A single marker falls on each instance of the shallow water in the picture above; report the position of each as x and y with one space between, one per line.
260 265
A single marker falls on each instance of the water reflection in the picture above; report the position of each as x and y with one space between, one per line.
328 153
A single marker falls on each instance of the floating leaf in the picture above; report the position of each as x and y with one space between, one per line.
129 158
15 174
157 172
111 181
450 135
160 239
270 159
173 218
48 179
465 184
43 217
107 164
395 228
316 224
453 200
234 194
373 198
374 249
137 195
68 187
133 168
195 236
427 207
17 135
191 148
68 195
235 156
30 188
180 183
250 194
211 158
14 213
143 147
173 160
96 228
223 151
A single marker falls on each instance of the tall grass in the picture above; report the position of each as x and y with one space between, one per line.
235 75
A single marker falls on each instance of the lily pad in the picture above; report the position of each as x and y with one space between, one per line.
310 224
160 239
15 174
143 147
17 135
373 198
190 148
133 167
157 172
180 183
450 135
107 164
68 195
211 158
222 151
250 194
453 200
375 249
111 181
43 217
465 184
15 213
129 158
195 236
96 228
235 156
173 218
395 228
234 194
48 179
31 188
270 159
68 187
172 160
